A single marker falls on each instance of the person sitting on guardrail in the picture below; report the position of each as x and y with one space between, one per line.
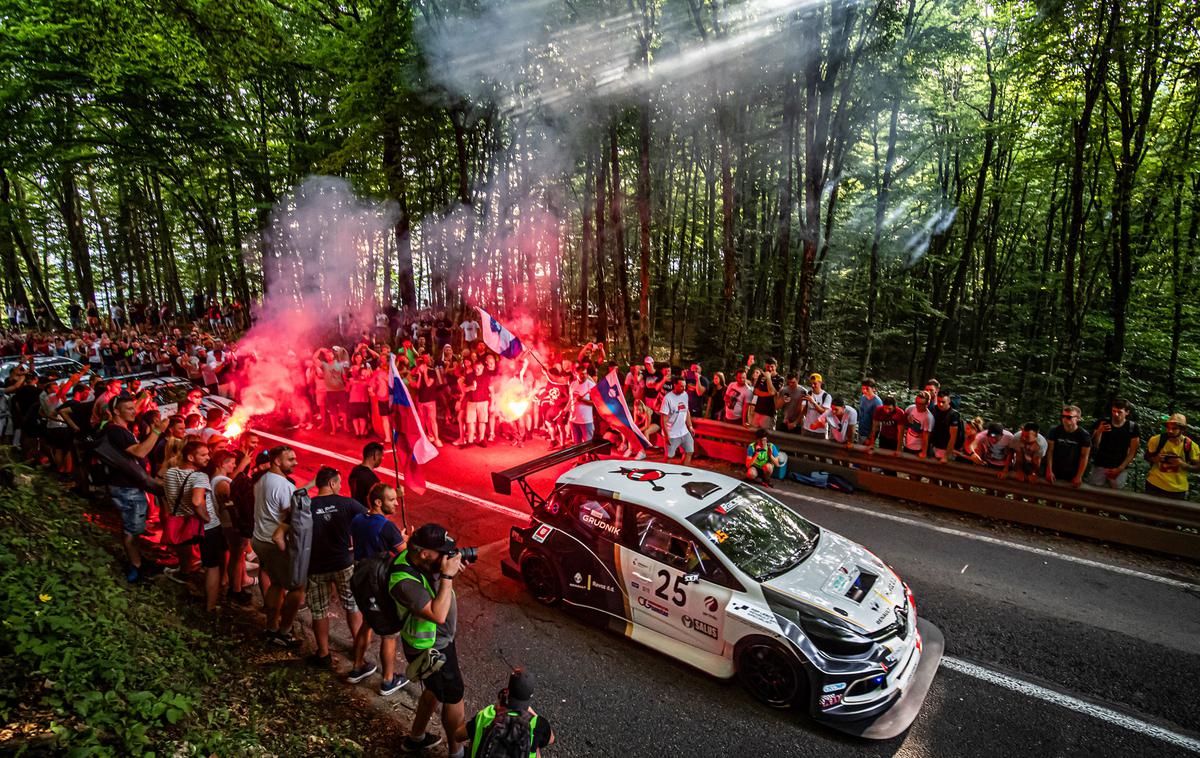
993 447
840 421
1068 449
1030 447
1171 455
761 459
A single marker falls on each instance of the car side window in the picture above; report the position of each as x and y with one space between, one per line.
596 516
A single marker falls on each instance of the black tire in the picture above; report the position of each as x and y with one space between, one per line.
771 673
541 579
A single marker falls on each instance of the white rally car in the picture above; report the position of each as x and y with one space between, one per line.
720 575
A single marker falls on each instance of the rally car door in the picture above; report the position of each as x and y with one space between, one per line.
589 573
674 583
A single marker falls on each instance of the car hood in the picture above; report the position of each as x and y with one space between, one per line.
827 579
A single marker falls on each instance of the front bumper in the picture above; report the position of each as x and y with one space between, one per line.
900 714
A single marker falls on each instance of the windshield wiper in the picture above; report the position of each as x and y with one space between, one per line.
792 562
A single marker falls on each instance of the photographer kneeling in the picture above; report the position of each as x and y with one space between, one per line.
422 585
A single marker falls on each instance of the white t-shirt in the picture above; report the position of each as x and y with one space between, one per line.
581 413
174 482
470 330
916 423
675 408
736 397
839 428
812 416
994 451
272 496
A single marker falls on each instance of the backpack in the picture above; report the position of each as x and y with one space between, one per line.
298 540
369 583
1162 441
241 492
509 736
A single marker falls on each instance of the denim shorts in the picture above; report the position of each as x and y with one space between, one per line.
132 505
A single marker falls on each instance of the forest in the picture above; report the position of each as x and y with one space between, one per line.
1003 195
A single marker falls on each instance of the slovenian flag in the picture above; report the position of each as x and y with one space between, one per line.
609 401
498 338
408 432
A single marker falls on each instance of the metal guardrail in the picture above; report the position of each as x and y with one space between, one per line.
1125 518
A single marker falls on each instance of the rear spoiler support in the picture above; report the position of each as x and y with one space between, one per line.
502 481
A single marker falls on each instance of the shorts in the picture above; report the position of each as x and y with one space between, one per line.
335 401
763 421
234 540
60 437
477 411
1160 492
446 683
383 407
360 410
1098 477
212 548
319 595
131 503
275 563
581 433
686 442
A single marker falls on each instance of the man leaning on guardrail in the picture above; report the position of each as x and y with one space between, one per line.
1171 455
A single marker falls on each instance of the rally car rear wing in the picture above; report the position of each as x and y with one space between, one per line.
502 481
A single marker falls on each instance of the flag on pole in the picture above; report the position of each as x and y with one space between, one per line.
408 432
609 401
498 338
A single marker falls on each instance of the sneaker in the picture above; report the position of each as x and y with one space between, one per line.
424 665
766 482
481 443
641 456
320 661
393 685
282 639
362 672
133 574
437 443
242 597
175 574
409 745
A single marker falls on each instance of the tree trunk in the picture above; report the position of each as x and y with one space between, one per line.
643 208
601 208
393 161
881 204
69 206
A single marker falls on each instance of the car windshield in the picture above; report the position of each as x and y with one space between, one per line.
174 392
762 536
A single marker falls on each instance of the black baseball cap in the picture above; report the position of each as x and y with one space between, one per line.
519 693
432 537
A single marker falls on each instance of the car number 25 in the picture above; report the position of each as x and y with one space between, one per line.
678 595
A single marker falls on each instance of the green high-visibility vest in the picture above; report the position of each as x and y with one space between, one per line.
418 633
484 719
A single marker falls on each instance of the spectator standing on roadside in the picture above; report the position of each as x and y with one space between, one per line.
373 534
470 331
1115 443
582 419
840 421
1030 449
716 397
332 561
1172 455
422 583
868 401
677 421
766 397
948 429
918 423
363 477
737 400
697 390
815 405
189 493
886 423
793 405
1068 447
272 506
125 490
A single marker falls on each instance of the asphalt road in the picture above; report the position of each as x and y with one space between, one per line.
1054 647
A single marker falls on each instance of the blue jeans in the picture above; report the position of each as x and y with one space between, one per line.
131 503
581 433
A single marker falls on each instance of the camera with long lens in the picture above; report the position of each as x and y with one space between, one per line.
469 554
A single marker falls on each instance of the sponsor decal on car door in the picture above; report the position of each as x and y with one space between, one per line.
676 603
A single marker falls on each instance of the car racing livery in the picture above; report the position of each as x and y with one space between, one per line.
720 575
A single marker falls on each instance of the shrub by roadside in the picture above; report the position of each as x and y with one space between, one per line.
92 665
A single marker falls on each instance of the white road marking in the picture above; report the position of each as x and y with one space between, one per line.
473 500
996 541
1029 689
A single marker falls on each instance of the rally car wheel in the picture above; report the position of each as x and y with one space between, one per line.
541 579
770 673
